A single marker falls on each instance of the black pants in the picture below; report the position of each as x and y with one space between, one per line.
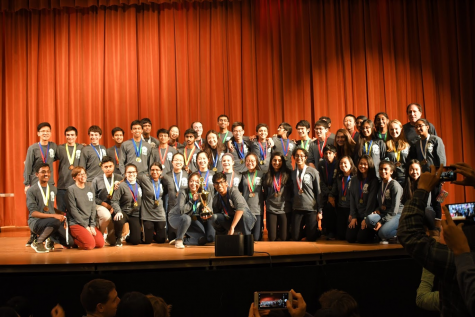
59 233
154 231
311 225
359 235
257 230
342 215
274 221
329 218
134 226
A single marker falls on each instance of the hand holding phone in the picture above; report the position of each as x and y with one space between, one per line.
271 300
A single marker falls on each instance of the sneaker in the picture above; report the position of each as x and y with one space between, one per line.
118 243
172 242
331 236
39 247
179 244
49 244
383 241
32 239
202 241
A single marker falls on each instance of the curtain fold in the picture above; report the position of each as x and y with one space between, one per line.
107 62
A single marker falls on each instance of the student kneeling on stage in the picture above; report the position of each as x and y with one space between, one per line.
82 212
43 221
185 216
126 202
231 211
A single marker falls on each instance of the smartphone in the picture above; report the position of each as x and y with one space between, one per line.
462 211
271 300
448 175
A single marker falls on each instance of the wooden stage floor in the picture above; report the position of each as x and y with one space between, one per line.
15 257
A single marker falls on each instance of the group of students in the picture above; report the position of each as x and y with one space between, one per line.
352 183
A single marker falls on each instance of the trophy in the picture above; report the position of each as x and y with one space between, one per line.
205 211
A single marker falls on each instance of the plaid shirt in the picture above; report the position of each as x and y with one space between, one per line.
435 257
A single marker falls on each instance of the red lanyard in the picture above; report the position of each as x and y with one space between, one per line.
321 151
162 159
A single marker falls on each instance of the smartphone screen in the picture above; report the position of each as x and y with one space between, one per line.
448 175
273 300
462 211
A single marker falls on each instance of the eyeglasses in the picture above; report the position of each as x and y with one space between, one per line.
224 183
420 126
131 173
82 174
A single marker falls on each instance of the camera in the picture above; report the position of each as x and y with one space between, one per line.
448 175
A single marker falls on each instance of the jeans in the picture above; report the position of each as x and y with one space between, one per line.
199 231
222 224
389 229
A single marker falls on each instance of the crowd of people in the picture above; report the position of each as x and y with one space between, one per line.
352 184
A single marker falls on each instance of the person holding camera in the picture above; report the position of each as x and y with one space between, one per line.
453 263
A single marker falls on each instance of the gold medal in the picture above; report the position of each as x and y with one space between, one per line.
251 195
157 202
262 162
424 162
138 159
242 161
100 164
176 195
136 204
214 169
276 194
361 200
71 167
109 197
343 198
46 208
398 164
301 192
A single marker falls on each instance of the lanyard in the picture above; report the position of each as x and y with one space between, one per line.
283 147
195 203
424 148
366 150
45 196
109 187
321 150
263 150
177 185
215 158
304 145
198 145
344 185
224 204
187 160
232 179
116 154
381 135
277 185
45 157
138 151
162 159
240 151
300 180
156 189
206 179
329 179
70 157
225 137
99 154
362 183
353 134
251 184
383 190
134 192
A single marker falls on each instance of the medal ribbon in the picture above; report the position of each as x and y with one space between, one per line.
223 203
424 149
278 186
70 158
232 179
138 151
332 167
109 187
384 189
321 150
199 145
240 151
43 156
177 185
193 202
362 183
366 151
251 184
344 185
225 137
300 180
116 152
156 189
188 160
353 134
262 150
206 179
99 154
381 135
304 145
134 192
215 159
283 147
162 159
45 197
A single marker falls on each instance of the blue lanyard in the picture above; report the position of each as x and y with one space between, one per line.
283 147
224 204
195 203
368 149
98 155
344 187
156 189
138 151
215 159
134 191
240 153
44 157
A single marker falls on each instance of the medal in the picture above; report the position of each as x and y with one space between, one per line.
367 150
241 152
215 160
70 157
100 164
424 162
361 200
162 159
320 151
263 151
109 197
138 159
214 169
344 187
242 161
188 160
300 180
398 164
283 147
251 195
157 202
424 150
277 185
276 195
251 183
45 197
301 192
176 195
133 192
262 162
46 208
136 204
343 198
99 154
44 156
383 190
362 185
138 150
109 186
177 184
71 167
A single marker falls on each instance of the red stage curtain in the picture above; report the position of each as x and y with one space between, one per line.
95 62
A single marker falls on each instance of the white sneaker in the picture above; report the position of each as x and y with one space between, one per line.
179 244
383 241
172 242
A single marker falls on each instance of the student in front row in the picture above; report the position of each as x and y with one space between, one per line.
186 216
363 191
126 202
104 187
82 212
43 221
177 179
307 204
385 218
231 212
